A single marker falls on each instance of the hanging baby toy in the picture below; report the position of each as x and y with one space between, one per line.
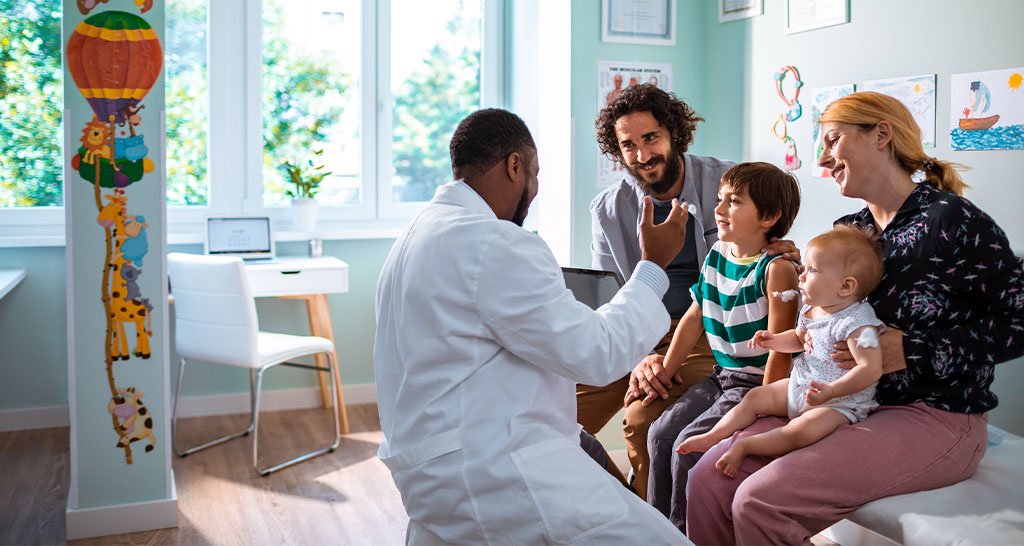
779 129
795 110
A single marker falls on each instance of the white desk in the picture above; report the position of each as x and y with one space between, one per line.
310 280
9 278
297 276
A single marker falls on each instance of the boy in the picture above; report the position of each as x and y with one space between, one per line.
842 268
757 203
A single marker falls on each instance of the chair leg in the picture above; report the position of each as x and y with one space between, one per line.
332 371
211 443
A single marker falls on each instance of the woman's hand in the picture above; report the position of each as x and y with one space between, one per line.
891 341
788 250
649 380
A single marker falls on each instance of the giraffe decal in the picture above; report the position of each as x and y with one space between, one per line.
127 306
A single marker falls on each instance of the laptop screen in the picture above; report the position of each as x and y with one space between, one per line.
592 287
247 237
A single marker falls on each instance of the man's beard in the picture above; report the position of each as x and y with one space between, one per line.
523 208
673 166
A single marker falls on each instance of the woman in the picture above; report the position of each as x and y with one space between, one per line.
953 297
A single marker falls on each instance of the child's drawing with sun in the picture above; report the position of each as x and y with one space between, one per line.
1015 81
987 110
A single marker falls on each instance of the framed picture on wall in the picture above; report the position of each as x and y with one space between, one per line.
803 15
651 22
731 10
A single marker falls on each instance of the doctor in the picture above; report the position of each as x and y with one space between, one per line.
479 347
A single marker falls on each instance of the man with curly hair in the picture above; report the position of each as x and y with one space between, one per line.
648 131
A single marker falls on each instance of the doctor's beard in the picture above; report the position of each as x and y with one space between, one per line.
668 178
523 208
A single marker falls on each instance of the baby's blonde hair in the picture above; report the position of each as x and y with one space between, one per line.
857 252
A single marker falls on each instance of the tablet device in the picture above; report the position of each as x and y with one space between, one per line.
592 287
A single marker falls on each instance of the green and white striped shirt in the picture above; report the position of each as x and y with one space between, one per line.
732 294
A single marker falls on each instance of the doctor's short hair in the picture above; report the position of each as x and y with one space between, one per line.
486 137
772 190
858 253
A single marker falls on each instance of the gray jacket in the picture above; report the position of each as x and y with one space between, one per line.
615 215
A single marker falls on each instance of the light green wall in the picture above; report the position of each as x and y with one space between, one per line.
33 327
33 331
688 73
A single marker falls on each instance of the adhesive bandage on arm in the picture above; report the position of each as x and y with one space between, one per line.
786 295
868 339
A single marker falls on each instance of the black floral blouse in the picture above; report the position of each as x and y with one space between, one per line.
954 287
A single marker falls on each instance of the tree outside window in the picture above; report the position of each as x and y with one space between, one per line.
431 102
187 99
31 98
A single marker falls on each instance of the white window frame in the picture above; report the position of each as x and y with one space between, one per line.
235 133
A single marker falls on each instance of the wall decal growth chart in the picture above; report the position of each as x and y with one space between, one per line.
115 58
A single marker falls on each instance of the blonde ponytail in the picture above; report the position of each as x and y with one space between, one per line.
943 175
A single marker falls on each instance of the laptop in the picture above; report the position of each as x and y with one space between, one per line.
592 287
248 237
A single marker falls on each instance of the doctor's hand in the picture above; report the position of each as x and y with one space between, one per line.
649 380
661 243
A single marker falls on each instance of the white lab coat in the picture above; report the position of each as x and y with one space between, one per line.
478 349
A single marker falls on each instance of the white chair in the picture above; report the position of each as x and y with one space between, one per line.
215 320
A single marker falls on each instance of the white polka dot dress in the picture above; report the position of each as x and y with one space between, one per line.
819 366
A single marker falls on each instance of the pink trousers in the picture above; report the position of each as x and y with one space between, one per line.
896 450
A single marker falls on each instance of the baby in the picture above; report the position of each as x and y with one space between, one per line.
842 267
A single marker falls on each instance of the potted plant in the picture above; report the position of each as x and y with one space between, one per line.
306 178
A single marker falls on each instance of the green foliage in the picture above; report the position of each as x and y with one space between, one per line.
31 97
302 106
431 103
301 94
187 98
306 178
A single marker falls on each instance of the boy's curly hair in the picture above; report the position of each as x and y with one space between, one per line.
672 113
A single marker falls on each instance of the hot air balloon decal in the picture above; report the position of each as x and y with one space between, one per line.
114 58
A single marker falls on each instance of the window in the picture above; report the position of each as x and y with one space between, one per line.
31 98
377 85
187 103
434 83
311 96
386 151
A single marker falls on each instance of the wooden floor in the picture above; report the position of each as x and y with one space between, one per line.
345 497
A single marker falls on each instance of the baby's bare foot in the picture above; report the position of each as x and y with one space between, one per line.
730 462
697 444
